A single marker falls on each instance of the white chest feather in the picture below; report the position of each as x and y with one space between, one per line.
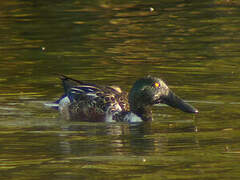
132 118
63 107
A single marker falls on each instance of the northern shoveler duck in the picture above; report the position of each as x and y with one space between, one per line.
89 102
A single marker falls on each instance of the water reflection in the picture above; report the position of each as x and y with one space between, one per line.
194 46
102 147
82 139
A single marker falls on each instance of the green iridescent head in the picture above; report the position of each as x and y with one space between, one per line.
149 91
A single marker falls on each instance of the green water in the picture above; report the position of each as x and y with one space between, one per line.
193 45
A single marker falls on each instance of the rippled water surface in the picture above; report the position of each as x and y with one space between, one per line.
193 45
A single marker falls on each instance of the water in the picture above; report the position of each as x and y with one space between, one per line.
193 46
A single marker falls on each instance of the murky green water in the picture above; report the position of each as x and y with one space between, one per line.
193 45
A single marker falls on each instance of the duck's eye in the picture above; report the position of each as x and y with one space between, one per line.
156 85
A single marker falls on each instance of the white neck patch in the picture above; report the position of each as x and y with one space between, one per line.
132 118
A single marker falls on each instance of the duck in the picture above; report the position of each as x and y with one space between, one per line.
84 101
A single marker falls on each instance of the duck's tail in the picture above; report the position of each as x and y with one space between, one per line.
55 105
69 82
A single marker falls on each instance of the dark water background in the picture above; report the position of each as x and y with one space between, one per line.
193 45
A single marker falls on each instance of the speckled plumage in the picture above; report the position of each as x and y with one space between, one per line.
94 102
89 102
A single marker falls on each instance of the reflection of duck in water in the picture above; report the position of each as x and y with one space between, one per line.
88 102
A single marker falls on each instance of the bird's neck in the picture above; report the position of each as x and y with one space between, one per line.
145 113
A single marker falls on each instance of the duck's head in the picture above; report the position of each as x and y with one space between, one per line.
149 91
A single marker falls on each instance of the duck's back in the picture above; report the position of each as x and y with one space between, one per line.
89 102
